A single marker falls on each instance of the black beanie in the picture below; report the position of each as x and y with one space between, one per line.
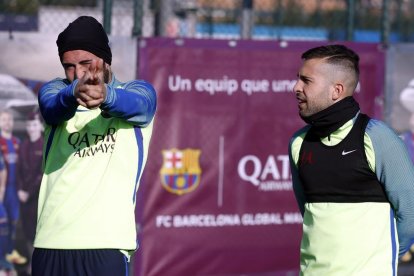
85 33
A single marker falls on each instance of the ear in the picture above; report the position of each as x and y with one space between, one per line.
338 91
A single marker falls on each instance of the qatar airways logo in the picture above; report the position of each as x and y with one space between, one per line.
267 174
90 144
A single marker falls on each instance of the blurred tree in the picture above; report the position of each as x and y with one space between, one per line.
19 6
81 3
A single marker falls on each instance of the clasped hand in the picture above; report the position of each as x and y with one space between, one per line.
90 91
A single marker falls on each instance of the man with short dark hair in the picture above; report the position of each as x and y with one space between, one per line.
97 136
352 176
29 177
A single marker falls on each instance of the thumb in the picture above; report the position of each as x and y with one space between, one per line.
93 68
96 69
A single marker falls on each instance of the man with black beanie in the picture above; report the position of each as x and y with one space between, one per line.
352 176
97 132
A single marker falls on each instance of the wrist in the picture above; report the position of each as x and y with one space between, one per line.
108 97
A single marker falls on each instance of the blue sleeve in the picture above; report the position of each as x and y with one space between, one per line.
56 101
395 171
296 183
134 101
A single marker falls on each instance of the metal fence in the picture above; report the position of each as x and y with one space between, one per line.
384 21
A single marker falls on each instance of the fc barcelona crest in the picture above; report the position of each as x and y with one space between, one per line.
180 172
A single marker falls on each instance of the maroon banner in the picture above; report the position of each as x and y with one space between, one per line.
216 197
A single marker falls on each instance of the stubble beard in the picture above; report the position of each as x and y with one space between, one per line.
307 112
107 74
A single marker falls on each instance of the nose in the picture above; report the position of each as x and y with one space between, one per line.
297 87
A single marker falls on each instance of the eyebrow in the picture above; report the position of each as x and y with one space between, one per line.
85 61
303 78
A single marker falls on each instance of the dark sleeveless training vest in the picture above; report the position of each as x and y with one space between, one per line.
339 173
